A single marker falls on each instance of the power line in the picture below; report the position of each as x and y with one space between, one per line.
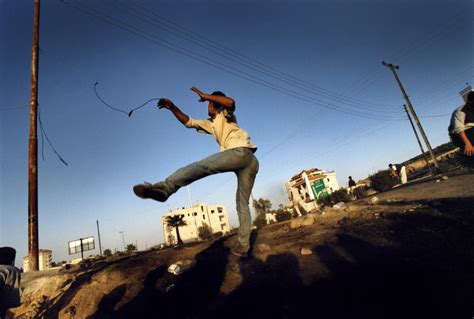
222 66
43 132
244 60
13 108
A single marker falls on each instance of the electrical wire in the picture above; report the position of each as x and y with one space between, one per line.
47 139
222 66
245 61
129 113
13 108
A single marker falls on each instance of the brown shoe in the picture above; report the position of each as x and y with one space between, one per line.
150 191
239 251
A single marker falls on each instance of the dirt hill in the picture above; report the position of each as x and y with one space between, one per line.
406 254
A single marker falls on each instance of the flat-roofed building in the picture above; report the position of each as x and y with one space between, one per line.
215 216
306 187
45 257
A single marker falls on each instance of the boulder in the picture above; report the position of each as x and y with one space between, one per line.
263 248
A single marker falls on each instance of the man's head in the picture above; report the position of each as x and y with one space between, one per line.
350 177
470 101
7 256
214 108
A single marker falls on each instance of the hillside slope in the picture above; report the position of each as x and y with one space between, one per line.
408 255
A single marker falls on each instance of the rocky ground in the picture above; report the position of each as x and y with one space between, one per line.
408 254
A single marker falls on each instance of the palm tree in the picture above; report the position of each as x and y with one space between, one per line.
176 221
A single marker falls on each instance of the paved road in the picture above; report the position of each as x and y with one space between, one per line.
456 186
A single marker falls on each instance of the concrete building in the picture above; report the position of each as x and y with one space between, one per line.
45 257
271 218
306 187
214 216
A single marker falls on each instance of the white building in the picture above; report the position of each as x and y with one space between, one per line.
45 257
271 218
306 187
214 216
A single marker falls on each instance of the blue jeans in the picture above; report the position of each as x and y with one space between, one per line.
242 162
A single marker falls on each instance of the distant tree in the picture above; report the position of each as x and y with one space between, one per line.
262 205
217 235
340 195
205 232
176 221
382 180
260 220
107 253
282 215
358 192
131 247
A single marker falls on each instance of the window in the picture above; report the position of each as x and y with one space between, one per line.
222 226
212 211
221 218
203 216
328 180
330 188
195 214
202 209
219 209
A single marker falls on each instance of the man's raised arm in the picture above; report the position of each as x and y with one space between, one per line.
168 104
225 101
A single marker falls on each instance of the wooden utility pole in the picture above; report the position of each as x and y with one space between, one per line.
33 149
412 111
98 234
418 139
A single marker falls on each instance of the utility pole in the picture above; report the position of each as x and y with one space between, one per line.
253 205
412 110
418 139
192 206
98 234
33 241
123 239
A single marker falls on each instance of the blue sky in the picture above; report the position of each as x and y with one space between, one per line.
306 75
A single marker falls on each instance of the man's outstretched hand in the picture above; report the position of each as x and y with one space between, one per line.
202 95
165 103
469 150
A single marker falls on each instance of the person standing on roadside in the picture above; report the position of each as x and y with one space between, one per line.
461 128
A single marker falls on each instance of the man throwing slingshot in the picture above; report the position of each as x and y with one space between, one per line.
236 155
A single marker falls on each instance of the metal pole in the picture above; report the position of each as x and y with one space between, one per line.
123 239
98 233
192 206
253 206
418 139
412 110
82 250
33 246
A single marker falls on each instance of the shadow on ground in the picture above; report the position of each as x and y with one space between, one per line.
426 273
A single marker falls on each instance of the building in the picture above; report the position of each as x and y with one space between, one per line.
306 187
270 217
214 216
45 257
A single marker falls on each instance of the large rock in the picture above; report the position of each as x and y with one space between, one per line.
307 220
263 248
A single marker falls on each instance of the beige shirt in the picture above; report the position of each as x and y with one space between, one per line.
227 134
